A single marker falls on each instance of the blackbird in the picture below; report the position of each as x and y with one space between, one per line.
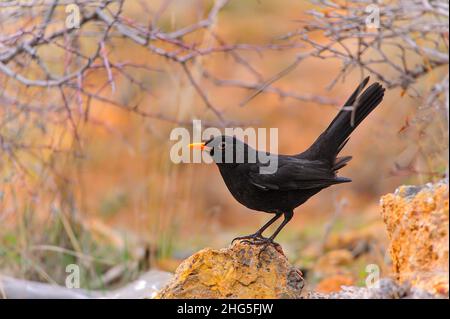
297 177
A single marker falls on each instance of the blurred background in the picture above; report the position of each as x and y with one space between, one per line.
90 93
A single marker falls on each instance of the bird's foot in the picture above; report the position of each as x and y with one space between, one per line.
264 243
249 238
261 241
257 241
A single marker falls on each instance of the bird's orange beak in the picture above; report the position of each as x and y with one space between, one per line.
197 146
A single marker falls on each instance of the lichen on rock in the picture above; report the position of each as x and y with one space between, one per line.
416 219
240 271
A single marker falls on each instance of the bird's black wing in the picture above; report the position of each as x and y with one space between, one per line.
294 174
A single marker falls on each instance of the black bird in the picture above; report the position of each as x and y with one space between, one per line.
298 177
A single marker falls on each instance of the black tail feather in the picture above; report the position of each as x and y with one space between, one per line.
356 109
342 145
341 162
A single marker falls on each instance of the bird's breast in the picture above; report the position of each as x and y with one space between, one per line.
246 193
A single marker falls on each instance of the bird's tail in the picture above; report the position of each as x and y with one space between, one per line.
333 139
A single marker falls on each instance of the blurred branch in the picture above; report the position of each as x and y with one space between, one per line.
319 99
408 31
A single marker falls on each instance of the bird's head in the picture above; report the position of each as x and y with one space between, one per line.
227 150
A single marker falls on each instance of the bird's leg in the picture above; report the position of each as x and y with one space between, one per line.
270 241
258 234
287 218
266 241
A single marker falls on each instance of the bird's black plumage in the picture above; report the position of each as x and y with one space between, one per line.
299 176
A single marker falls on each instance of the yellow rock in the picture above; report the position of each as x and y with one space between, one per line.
240 271
416 219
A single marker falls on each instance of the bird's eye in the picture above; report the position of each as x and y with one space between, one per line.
222 145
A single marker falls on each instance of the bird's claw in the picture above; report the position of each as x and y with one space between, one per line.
246 239
264 243
258 241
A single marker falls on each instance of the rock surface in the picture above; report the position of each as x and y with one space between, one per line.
416 219
240 271
387 289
